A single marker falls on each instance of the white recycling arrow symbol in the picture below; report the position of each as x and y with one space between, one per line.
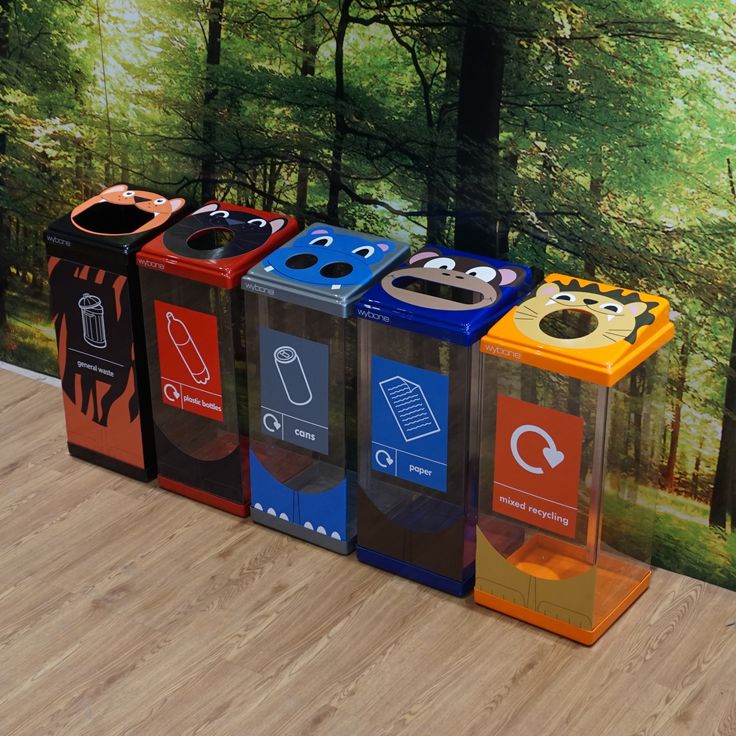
552 455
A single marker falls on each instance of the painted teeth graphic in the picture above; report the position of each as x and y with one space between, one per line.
271 511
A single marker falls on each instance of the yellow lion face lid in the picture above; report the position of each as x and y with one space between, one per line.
583 329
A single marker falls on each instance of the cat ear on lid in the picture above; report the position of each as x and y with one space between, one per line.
511 276
277 224
423 255
115 189
548 289
636 308
207 208
176 203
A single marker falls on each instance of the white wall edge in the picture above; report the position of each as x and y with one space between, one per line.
50 380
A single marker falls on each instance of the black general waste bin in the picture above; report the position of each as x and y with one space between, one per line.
95 305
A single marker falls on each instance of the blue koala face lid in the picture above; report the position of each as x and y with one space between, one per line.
324 267
446 294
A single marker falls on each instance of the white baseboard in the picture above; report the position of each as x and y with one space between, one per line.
30 374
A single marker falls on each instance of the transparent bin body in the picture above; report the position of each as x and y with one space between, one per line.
196 357
302 366
425 533
301 387
195 332
419 332
569 471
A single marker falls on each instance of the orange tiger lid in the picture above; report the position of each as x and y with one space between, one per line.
583 329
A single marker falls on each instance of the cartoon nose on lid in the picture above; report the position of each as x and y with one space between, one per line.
589 302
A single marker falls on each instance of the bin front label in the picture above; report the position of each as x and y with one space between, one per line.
189 360
294 390
409 423
537 465
91 314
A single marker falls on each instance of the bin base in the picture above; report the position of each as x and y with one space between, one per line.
300 532
415 573
580 635
111 463
196 494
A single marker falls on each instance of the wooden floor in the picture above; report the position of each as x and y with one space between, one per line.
125 609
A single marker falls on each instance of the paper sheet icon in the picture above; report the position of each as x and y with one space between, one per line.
410 408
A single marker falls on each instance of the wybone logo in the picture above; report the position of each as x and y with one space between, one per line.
373 315
151 264
502 352
56 241
258 288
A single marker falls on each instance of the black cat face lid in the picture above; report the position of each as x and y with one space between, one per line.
218 242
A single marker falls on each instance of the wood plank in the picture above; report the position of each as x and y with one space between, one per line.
125 609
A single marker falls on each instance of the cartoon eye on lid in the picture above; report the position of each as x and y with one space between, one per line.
160 200
129 193
323 240
219 213
257 221
443 263
564 298
484 273
364 251
612 307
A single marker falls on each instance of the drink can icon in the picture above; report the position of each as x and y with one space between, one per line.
93 320
293 377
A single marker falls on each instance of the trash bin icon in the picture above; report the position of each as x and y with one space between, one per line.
302 365
419 330
93 321
573 402
95 303
193 314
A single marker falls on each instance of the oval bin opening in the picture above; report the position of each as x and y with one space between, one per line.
210 239
569 324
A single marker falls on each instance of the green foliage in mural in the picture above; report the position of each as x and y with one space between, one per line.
589 137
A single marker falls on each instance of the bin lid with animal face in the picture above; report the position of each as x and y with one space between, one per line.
217 243
325 268
114 223
446 294
583 329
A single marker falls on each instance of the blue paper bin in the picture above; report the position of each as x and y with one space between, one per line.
419 330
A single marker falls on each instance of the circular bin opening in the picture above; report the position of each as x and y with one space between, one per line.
569 324
210 239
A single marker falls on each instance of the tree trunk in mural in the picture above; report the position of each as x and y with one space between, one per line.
4 225
341 129
209 124
723 501
478 127
307 69
669 473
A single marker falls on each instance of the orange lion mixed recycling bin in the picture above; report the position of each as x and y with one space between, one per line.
95 304
193 315
573 403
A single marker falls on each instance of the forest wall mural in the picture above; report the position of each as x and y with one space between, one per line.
594 138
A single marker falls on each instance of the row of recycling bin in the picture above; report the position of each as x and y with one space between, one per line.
458 418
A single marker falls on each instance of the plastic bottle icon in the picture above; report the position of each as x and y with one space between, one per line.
292 375
93 320
187 349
